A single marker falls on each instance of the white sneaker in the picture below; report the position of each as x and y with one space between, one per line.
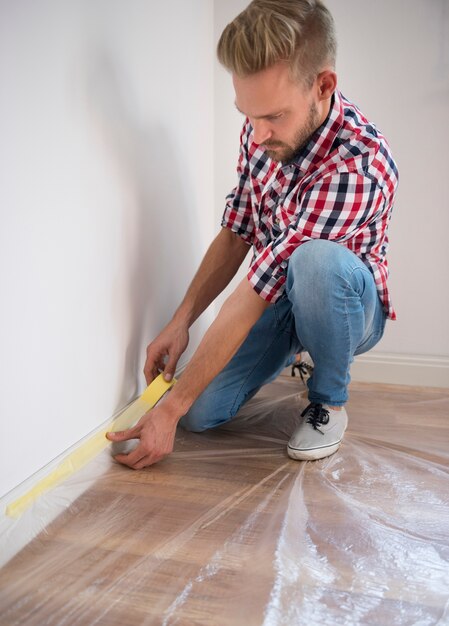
319 435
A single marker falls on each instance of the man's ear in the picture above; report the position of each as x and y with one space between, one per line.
326 84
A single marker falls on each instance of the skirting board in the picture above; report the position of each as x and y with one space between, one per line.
401 369
398 369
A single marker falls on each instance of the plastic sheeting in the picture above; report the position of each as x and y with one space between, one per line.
229 530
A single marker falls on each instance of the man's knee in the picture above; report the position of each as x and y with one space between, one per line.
319 253
193 422
316 264
202 416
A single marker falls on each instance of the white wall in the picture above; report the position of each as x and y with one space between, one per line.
393 61
106 189
228 124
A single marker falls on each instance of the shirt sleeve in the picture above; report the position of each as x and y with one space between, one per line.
238 212
339 207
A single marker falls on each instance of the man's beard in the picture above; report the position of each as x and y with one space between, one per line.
286 152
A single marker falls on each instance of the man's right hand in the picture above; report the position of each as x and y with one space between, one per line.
163 353
221 261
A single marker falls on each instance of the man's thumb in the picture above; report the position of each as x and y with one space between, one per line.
121 435
169 370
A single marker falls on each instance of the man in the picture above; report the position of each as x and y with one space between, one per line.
313 202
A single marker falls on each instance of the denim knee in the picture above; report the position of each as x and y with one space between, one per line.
203 415
193 421
316 261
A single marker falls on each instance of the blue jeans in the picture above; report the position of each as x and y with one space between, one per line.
330 309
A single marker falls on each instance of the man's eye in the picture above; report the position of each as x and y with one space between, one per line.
275 117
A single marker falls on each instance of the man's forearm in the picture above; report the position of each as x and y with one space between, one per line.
220 264
236 318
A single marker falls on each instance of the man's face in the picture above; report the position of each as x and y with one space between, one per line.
281 111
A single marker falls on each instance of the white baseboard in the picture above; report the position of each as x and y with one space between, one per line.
401 369
397 369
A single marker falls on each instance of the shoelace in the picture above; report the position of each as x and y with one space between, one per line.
316 415
304 369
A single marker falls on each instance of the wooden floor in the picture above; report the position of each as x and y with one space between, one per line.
228 530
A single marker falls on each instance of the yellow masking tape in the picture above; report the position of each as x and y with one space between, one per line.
154 392
87 451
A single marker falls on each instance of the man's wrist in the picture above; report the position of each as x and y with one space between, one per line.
183 317
174 407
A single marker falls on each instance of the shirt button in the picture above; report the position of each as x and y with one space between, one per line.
277 220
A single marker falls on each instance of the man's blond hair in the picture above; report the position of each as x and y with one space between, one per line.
300 32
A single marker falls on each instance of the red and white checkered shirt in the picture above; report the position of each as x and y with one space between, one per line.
340 186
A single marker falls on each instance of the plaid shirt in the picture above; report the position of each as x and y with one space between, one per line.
340 186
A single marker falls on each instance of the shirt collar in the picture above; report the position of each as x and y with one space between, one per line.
322 139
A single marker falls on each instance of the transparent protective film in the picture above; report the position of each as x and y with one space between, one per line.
229 530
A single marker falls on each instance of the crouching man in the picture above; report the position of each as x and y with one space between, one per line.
316 185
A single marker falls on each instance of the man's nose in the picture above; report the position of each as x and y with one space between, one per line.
261 131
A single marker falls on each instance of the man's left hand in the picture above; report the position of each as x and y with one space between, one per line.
156 431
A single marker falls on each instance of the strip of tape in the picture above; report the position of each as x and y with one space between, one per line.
87 451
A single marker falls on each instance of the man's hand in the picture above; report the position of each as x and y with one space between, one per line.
156 431
171 343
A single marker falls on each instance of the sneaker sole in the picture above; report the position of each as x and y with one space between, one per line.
312 454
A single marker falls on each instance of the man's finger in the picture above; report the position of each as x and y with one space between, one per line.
149 376
170 368
132 458
148 371
152 371
147 460
124 435
152 363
